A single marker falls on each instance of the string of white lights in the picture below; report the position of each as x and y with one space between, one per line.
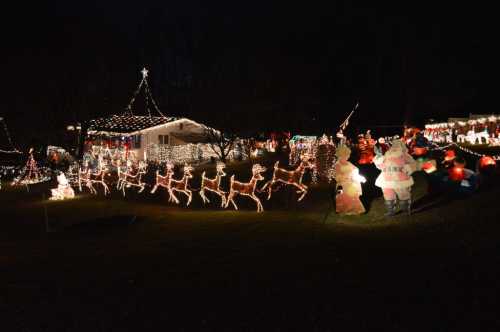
9 139
466 150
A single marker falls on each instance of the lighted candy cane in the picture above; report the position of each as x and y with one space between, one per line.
213 185
246 188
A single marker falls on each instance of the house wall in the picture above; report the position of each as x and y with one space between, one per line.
150 136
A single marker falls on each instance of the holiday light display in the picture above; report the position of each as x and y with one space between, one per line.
348 184
366 148
12 149
87 177
483 130
127 179
164 180
299 145
63 190
213 185
31 174
181 186
292 178
246 188
487 162
324 160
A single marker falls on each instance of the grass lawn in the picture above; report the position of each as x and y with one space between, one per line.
139 263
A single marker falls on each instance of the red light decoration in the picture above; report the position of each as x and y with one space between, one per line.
486 162
449 155
417 151
456 173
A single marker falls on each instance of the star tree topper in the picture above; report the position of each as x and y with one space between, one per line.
144 72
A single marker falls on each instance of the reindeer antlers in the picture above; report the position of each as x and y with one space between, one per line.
257 168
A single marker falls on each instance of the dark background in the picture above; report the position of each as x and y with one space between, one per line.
249 66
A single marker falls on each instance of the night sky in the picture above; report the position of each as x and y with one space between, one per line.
243 67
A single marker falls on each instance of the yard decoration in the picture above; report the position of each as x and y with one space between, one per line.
128 179
324 160
246 188
366 148
63 190
181 186
30 174
213 185
99 177
164 181
293 178
395 178
487 162
348 184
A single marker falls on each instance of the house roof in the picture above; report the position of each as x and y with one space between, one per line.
127 123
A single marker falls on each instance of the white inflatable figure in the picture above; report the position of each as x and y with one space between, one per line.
63 190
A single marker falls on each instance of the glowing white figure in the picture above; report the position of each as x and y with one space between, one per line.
246 188
293 178
213 185
63 190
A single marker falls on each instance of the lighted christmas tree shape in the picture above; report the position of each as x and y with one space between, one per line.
30 174
148 96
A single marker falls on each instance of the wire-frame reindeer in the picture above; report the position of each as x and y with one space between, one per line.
99 177
213 185
127 179
181 185
292 178
164 180
246 189
84 177
88 178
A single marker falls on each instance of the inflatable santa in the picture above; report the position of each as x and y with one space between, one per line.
395 178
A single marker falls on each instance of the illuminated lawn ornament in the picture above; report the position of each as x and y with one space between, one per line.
100 176
30 174
348 184
292 178
127 179
213 185
181 186
63 190
88 178
486 162
246 188
428 166
164 180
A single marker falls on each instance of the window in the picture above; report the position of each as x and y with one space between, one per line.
136 141
181 126
162 139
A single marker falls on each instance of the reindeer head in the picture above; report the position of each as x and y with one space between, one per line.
142 165
187 171
257 169
220 169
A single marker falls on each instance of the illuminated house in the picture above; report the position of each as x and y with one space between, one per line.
145 137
